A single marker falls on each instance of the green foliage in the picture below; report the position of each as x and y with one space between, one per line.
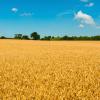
2 37
35 36
47 38
18 36
25 37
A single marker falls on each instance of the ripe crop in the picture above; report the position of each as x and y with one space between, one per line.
49 70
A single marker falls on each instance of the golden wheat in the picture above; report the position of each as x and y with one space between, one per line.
44 70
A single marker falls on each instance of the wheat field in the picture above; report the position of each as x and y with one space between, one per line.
49 70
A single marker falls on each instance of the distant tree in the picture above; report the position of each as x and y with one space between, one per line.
47 38
64 38
2 37
18 36
56 38
35 36
25 37
52 37
95 37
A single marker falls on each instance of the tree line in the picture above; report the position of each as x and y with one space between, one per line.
36 36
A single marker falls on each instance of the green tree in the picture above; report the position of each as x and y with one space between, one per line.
35 36
2 37
25 37
47 38
18 36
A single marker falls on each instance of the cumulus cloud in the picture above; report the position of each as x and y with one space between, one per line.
84 18
14 10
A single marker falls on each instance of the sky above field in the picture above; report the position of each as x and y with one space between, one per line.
50 17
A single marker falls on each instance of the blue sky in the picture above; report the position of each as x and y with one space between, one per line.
50 17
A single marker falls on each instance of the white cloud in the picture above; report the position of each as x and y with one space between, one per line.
84 0
88 4
27 14
81 26
65 13
84 18
14 10
91 4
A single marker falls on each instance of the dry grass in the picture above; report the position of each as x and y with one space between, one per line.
43 70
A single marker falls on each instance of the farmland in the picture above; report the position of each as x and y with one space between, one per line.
49 70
